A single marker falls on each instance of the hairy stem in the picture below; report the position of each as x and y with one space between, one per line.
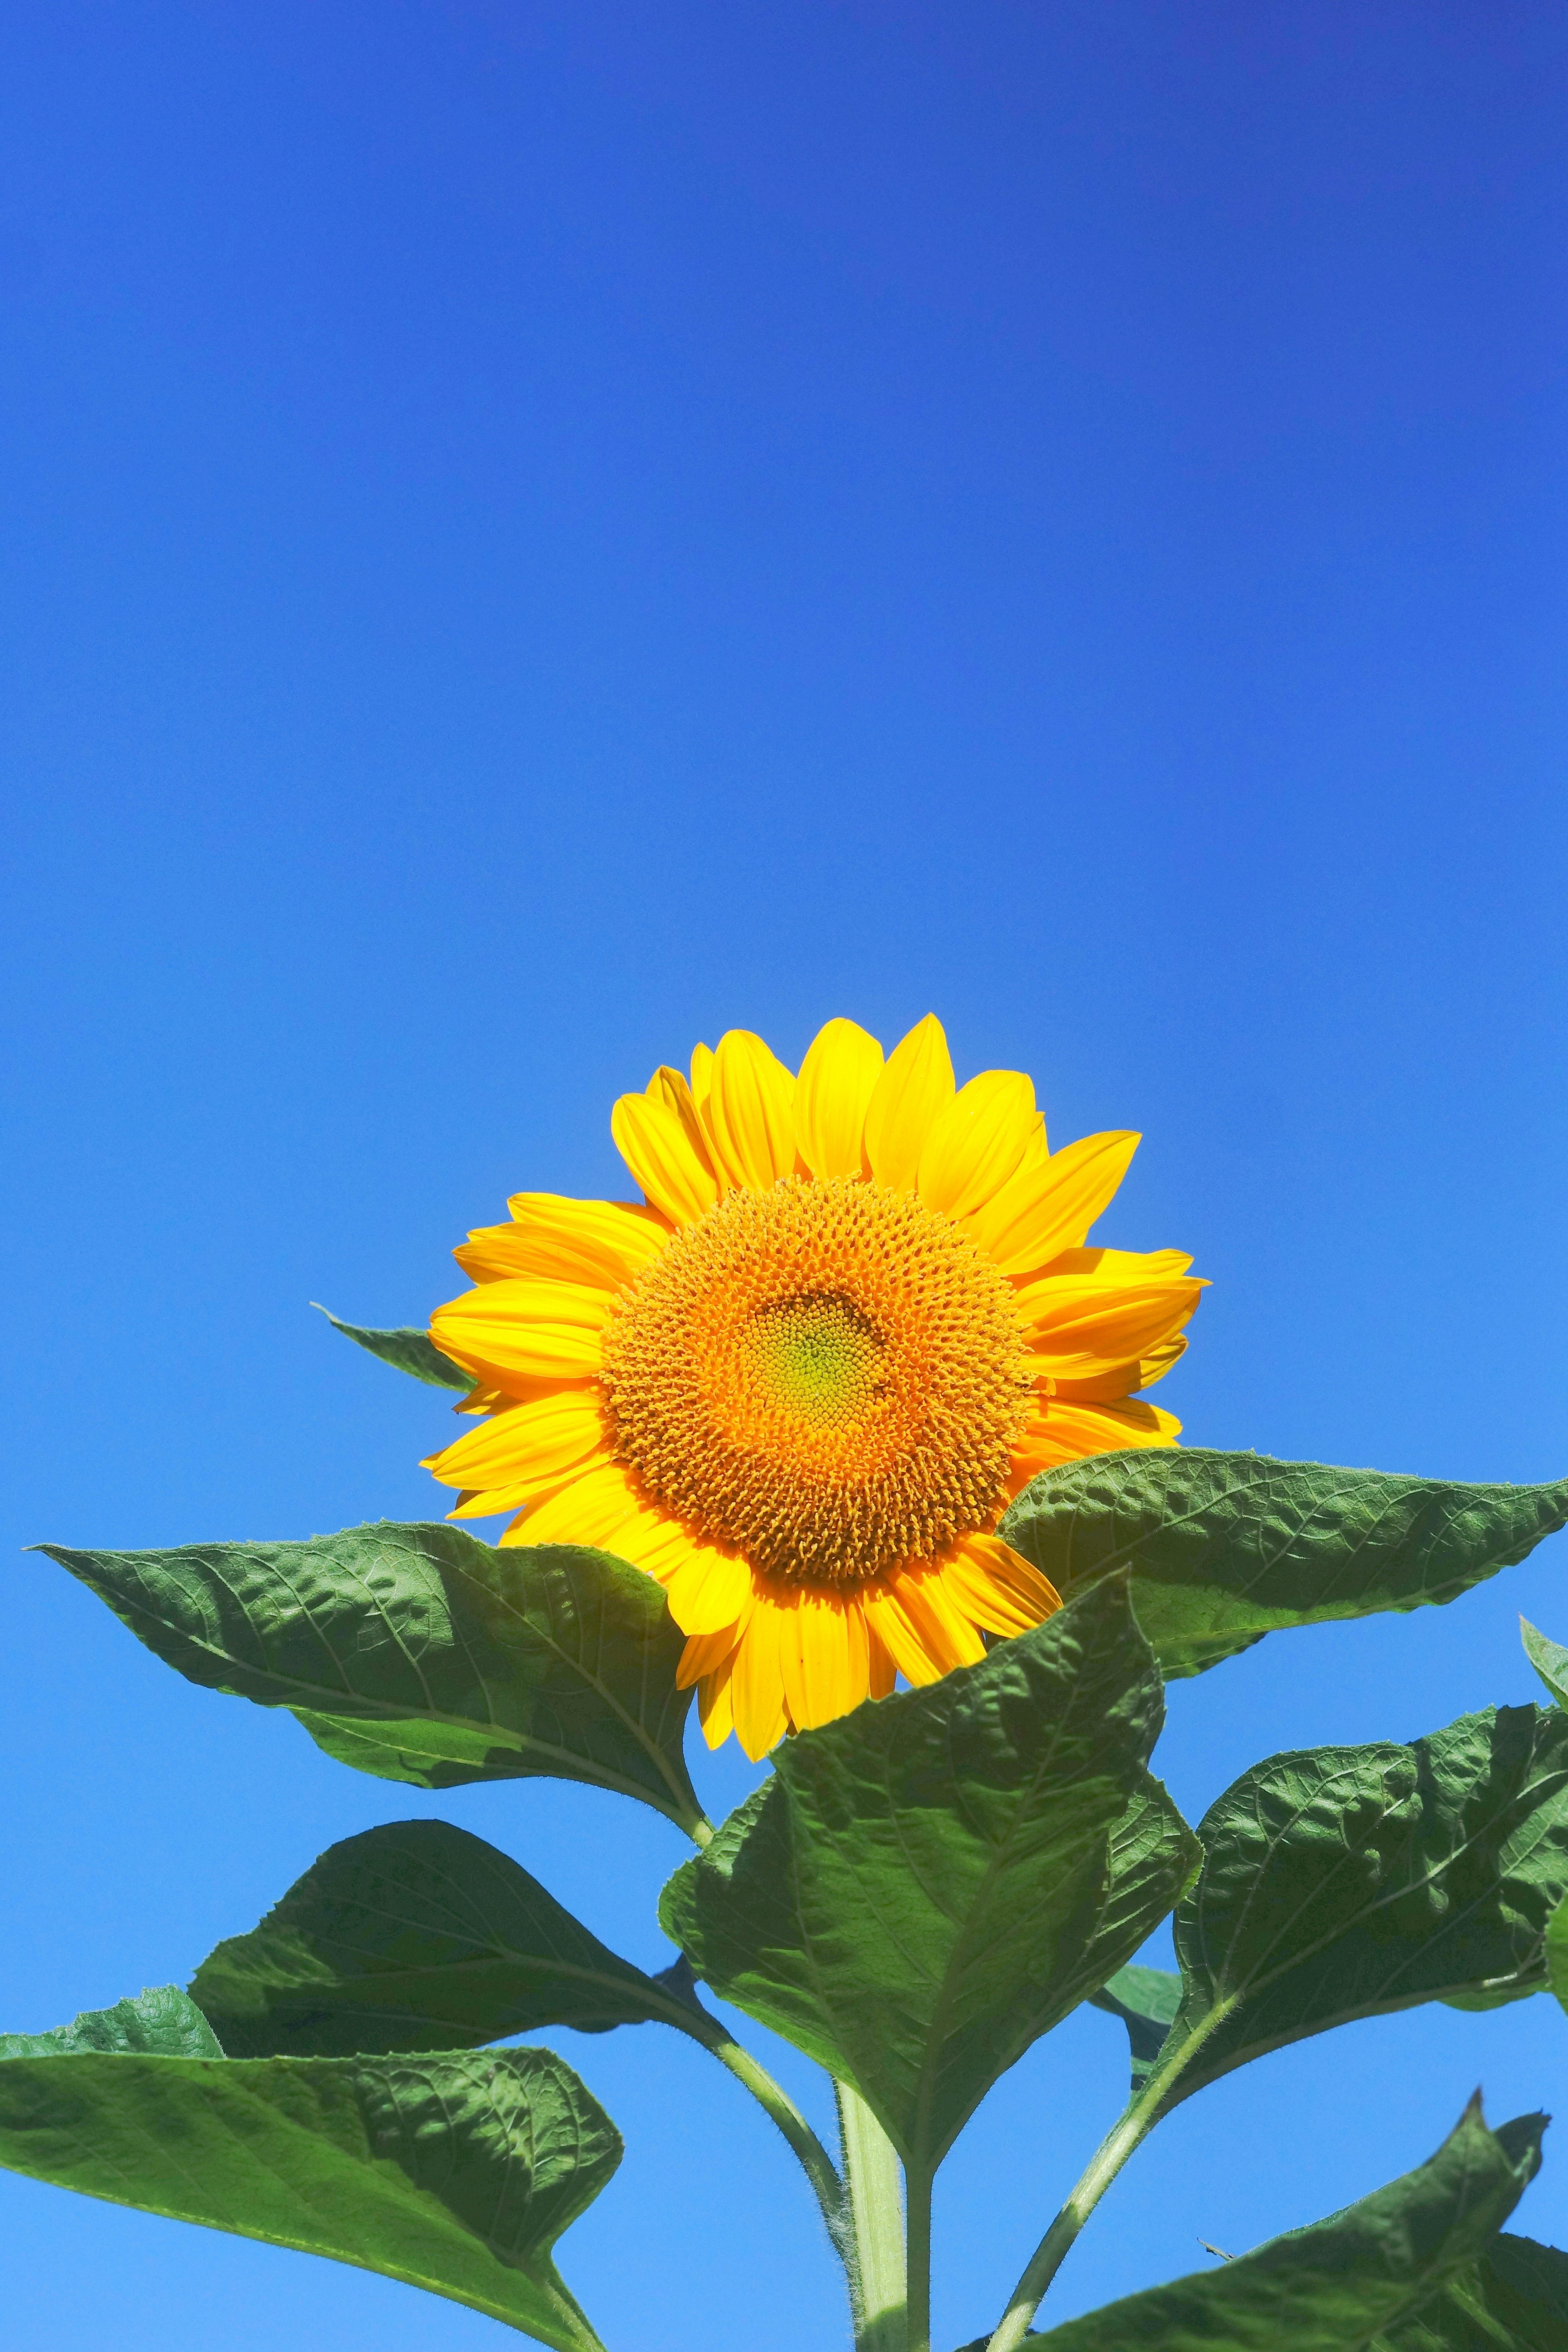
917 2324
819 2167
877 2219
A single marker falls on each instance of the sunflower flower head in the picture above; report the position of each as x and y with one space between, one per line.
799 1382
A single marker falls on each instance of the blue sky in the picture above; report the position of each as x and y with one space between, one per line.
535 533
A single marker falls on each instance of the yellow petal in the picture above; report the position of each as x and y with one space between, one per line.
836 1080
1068 1432
1114 1264
542 1329
756 1684
705 1653
1124 1380
826 1656
996 1588
709 1592
921 1626
750 1113
1076 1329
589 1511
714 1702
882 1673
486 1501
673 1170
915 1087
978 1141
1049 1207
528 1442
701 1074
605 1243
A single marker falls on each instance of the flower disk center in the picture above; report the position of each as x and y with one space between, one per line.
828 1378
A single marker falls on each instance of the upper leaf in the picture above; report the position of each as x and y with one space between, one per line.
407 1348
928 1884
1512 2298
163 2022
455 2172
1339 2285
420 1653
1225 1548
419 1937
1347 1881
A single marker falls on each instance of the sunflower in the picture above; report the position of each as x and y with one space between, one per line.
799 1382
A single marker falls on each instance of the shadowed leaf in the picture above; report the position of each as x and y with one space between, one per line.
408 1348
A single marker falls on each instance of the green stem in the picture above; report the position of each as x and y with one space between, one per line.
701 1831
1107 2161
876 2221
918 2198
819 2167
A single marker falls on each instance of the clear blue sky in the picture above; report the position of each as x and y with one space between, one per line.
536 531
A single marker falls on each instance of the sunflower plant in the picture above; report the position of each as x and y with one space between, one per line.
841 1431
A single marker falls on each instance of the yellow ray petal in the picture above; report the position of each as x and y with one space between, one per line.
1075 1329
547 1330
603 1243
996 1588
701 1074
1124 1380
487 1502
527 1442
836 1080
882 1673
708 1591
589 1511
826 1664
1051 1206
1068 1432
1111 1265
714 1702
750 1112
915 1087
674 1170
977 1141
756 1683
705 1653
923 1628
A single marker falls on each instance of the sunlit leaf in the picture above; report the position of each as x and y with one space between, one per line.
408 1348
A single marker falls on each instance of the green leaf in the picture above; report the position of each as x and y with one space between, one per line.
1348 1881
455 2172
928 1884
1225 1548
1146 2001
419 1937
1548 1658
1337 2286
408 1348
1512 2298
163 2022
420 1653
1557 1952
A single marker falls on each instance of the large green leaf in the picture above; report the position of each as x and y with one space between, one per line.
929 1883
1337 2286
1347 1881
407 1349
162 2022
419 1937
1225 1548
1512 2298
420 1653
455 2172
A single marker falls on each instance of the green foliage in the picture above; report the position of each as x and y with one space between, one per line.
929 1883
457 2173
1345 1881
1225 1548
162 2022
419 1653
1548 1658
419 1937
408 1348
1341 2283
1512 2298
1146 2001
